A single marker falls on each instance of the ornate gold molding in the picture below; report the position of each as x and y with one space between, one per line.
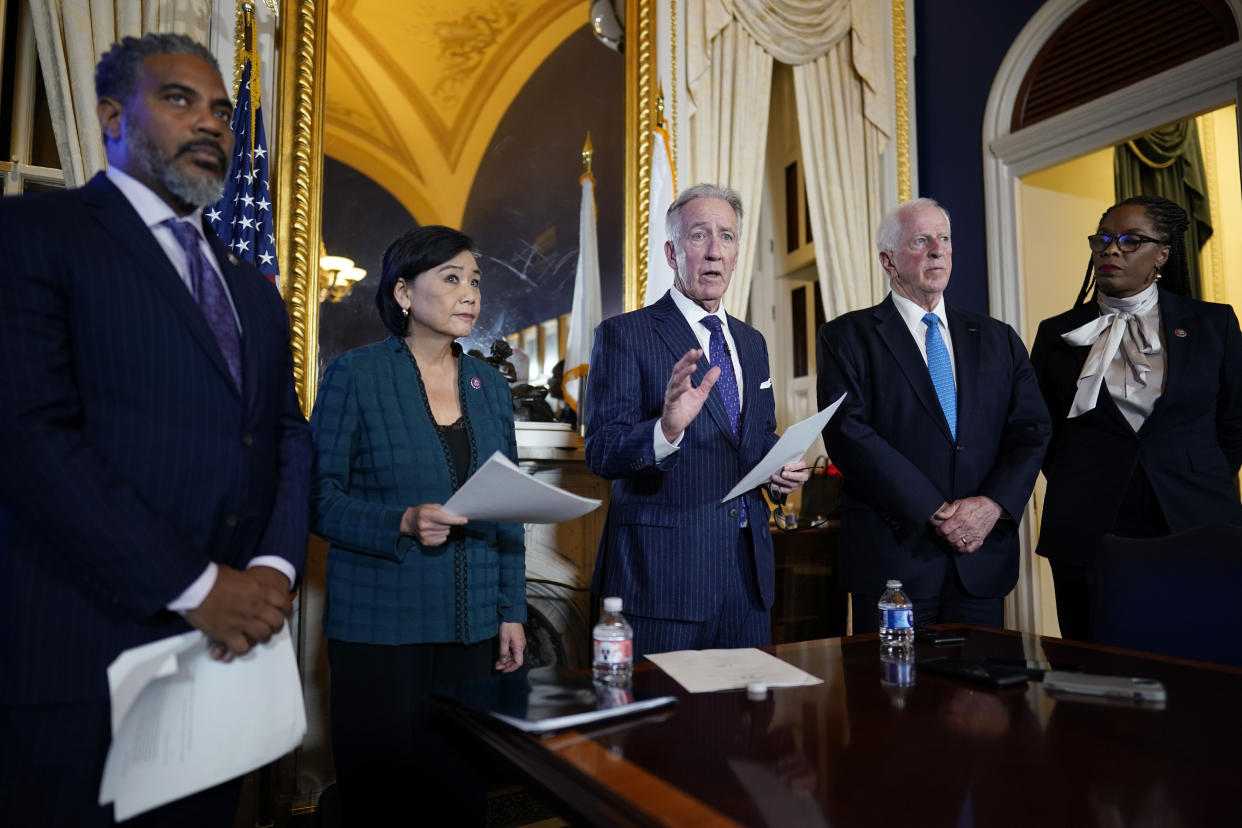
299 176
639 101
901 100
672 129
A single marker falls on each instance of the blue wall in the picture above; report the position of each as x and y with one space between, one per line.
959 46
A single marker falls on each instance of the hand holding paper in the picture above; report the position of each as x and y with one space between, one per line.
182 722
501 491
790 447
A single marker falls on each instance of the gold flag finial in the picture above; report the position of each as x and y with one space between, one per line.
588 151
659 107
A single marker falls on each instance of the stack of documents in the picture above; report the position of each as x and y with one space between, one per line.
183 722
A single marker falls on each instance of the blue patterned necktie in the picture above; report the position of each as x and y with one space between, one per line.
726 383
209 293
941 370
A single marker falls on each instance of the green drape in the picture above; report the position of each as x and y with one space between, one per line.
1168 162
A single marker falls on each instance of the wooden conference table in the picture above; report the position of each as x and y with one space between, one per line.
858 751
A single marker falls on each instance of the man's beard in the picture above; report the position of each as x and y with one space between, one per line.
191 190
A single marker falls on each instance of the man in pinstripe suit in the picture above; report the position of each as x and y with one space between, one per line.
156 460
694 573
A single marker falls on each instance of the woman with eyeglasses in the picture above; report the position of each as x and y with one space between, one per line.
1144 385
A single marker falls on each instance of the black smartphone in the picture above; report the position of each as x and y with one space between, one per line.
939 637
979 672
1035 668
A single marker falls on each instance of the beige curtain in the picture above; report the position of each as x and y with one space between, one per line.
70 36
845 119
841 154
729 134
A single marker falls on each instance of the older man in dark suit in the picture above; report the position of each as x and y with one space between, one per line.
940 437
694 572
156 461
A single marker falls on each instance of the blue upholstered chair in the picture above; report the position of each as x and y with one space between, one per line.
1179 595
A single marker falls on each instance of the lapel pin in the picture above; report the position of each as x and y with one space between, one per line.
476 383
1180 333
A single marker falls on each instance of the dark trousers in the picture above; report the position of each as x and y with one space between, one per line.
51 764
397 760
741 622
1140 516
954 604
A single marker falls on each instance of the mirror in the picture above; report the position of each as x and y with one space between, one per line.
307 127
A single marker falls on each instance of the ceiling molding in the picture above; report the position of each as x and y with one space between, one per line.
389 97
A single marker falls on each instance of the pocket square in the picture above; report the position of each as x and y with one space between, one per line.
767 383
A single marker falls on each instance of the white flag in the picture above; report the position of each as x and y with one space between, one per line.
587 312
663 193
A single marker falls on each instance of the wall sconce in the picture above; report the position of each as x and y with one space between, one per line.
337 277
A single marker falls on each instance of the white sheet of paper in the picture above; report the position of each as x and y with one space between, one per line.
706 671
183 722
499 490
792 445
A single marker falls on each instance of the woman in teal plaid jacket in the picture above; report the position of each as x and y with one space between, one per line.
416 596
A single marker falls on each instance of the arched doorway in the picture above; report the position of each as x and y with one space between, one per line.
1021 156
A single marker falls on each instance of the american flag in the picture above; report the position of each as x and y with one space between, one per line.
242 217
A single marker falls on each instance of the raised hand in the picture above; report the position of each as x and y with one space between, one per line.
682 400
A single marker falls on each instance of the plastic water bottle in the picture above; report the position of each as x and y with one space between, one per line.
896 617
614 645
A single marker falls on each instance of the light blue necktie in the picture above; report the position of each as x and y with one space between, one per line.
941 369
726 383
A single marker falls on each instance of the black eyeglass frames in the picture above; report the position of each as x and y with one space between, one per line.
1126 242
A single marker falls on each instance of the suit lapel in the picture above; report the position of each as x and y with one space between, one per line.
965 335
240 283
672 327
1175 315
118 217
754 369
892 330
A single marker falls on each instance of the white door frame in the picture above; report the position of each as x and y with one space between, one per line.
1208 82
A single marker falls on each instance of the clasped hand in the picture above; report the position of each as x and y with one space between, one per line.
244 608
966 523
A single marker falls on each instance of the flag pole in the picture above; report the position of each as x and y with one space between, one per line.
588 155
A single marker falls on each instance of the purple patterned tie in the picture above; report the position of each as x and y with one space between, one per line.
208 291
726 383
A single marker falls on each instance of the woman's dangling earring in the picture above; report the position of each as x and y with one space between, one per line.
406 311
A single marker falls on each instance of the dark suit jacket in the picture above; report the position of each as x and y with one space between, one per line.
669 543
130 459
377 452
1190 447
891 441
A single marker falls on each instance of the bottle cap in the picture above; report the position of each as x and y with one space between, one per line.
756 691
893 583
612 605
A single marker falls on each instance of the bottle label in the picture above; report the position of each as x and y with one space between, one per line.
614 652
896 619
